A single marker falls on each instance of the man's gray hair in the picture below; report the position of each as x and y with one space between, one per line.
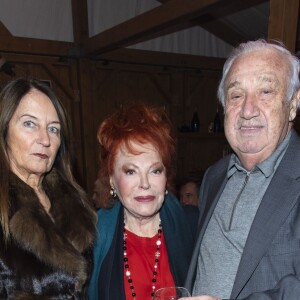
261 44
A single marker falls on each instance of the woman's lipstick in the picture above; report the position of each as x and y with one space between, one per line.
144 198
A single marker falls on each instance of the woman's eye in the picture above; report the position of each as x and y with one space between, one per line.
157 171
54 129
130 172
28 124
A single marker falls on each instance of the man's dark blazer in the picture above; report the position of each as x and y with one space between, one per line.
270 263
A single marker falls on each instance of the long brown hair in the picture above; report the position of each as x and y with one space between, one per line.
10 97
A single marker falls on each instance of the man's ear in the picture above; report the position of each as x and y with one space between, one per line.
294 106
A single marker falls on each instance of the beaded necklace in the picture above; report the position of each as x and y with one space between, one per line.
155 268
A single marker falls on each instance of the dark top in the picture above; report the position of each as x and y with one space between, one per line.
192 214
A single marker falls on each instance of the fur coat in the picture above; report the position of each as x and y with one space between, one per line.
46 257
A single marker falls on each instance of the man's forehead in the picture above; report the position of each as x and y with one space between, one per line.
263 59
237 81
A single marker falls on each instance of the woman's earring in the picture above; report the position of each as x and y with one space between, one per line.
113 192
166 192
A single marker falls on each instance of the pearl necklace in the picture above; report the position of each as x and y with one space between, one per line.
155 268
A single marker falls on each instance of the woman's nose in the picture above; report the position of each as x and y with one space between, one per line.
43 137
144 183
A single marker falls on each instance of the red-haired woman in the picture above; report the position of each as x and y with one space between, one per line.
144 242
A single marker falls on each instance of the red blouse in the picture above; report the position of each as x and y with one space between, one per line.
141 256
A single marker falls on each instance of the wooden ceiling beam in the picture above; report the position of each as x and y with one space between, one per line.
230 7
156 58
214 26
159 20
9 43
223 32
212 23
4 31
234 7
36 46
80 22
156 20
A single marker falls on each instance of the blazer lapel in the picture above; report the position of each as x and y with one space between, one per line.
279 199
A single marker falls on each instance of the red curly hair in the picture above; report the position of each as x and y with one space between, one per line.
135 123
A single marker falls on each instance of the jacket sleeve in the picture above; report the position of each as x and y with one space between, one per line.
288 288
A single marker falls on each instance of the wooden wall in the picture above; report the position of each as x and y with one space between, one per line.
92 89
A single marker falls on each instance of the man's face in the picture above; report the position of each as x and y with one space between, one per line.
188 194
257 111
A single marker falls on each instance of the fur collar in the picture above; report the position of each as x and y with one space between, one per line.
58 242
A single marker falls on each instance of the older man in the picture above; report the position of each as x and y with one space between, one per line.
249 243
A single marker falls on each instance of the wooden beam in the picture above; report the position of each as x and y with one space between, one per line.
165 16
4 31
212 23
215 27
159 20
231 7
222 31
35 46
156 58
80 22
9 43
283 22
234 7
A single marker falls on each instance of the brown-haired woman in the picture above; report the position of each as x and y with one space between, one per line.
144 242
47 226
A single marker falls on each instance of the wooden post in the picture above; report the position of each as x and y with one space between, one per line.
283 22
